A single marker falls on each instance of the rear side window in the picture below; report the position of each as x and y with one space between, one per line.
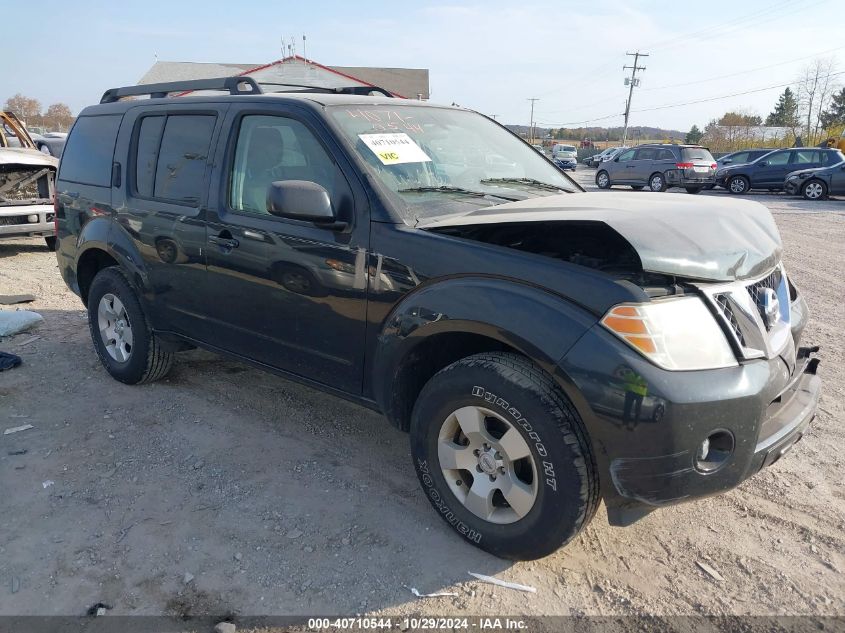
171 153
88 153
696 153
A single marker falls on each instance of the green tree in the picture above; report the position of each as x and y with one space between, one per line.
785 113
834 115
694 135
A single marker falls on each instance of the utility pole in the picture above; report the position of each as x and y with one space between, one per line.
531 127
633 82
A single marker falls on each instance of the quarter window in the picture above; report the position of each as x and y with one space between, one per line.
87 157
275 148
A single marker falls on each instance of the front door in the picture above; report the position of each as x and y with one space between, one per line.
773 173
290 294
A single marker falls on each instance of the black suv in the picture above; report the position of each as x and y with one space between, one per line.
659 167
545 348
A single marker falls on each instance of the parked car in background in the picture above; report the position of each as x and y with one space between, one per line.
740 158
818 183
608 154
540 149
565 162
770 171
26 184
50 143
659 166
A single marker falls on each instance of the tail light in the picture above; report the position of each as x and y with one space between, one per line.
713 165
684 165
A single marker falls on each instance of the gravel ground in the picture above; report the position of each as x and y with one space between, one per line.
226 490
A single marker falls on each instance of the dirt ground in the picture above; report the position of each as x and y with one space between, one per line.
226 490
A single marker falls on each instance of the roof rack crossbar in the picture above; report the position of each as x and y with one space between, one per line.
234 85
343 90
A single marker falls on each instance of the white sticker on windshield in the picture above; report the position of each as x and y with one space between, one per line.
394 149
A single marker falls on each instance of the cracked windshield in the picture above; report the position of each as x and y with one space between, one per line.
440 161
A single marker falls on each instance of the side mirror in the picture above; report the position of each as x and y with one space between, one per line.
300 200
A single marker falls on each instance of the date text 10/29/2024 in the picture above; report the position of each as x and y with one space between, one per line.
422 623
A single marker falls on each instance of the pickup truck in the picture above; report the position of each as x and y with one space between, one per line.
545 348
26 184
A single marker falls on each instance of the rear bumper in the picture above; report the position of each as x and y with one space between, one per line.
688 178
15 221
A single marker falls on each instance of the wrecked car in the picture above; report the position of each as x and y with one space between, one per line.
545 348
27 179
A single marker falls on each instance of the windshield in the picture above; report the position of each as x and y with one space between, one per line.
439 161
566 148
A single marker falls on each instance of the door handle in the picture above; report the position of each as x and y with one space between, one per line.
225 243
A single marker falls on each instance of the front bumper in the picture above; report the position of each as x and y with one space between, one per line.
792 187
645 446
14 221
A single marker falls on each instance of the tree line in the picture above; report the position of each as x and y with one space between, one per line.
56 118
809 112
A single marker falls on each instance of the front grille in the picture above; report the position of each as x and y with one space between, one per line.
728 313
12 220
772 282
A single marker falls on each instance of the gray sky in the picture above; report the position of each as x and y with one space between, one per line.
490 56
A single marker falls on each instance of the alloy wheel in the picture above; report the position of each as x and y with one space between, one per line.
813 190
115 328
488 465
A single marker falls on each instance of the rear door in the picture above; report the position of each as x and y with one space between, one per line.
641 167
288 293
773 172
164 153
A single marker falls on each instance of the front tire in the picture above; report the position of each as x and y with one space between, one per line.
50 242
503 456
126 345
814 190
738 185
603 180
657 182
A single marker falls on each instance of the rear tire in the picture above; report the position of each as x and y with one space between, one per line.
521 494
126 345
603 180
692 189
814 190
657 182
50 242
738 185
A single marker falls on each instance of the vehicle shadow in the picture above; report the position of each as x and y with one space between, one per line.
10 248
220 489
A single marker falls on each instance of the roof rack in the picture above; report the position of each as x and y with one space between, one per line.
234 85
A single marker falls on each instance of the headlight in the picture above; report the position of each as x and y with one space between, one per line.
674 334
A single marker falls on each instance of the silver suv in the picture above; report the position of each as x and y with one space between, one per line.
658 167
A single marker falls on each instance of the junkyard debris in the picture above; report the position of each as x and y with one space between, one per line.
441 594
22 451
98 609
225 627
9 361
8 300
710 571
294 533
188 577
31 339
15 429
503 583
14 322
16 584
48 483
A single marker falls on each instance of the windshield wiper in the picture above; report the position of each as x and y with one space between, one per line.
467 192
525 181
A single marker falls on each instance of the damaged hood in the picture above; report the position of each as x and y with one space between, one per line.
708 238
29 157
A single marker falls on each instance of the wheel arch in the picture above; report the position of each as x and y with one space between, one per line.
102 246
421 337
